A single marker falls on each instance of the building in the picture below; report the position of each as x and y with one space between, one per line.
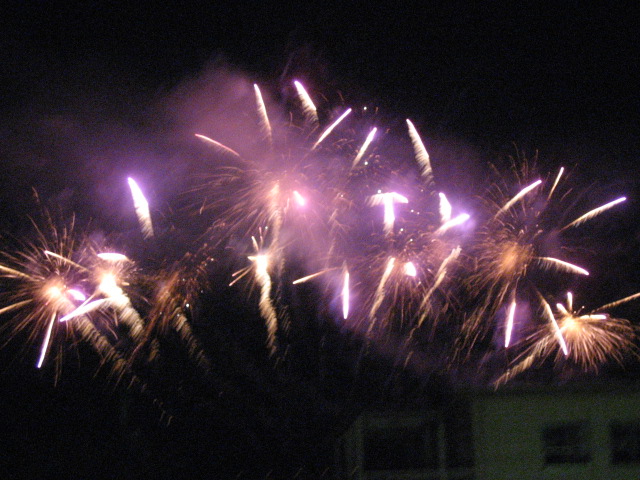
520 433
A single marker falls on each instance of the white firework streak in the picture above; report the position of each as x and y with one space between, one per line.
518 196
77 295
308 277
550 262
308 107
454 222
265 125
387 200
142 209
420 152
218 146
45 342
509 328
345 293
445 209
364 147
595 212
555 183
330 128
556 328
85 308
113 257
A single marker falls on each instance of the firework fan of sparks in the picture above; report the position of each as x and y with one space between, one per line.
588 339
62 289
523 249
402 278
279 184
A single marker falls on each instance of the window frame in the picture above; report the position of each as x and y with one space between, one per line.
572 443
633 430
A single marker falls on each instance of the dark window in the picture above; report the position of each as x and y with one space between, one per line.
401 447
566 443
625 442
458 435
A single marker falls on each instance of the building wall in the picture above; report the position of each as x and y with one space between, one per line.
536 434
429 444
509 434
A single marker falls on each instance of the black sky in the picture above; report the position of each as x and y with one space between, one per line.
516 69
561 80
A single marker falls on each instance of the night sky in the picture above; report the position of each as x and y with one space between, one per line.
91 92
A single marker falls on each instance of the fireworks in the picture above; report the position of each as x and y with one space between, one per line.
517 252
142 208
388 200
58 294
587 339
408 269
311 201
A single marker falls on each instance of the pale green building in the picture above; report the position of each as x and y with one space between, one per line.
568 432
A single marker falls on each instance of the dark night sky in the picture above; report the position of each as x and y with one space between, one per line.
518 72
80 82
562 80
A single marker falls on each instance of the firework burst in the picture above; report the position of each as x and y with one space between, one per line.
523 249
280 185
290 189
319 198
58 292
587 339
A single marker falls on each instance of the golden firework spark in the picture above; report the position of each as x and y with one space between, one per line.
586 339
